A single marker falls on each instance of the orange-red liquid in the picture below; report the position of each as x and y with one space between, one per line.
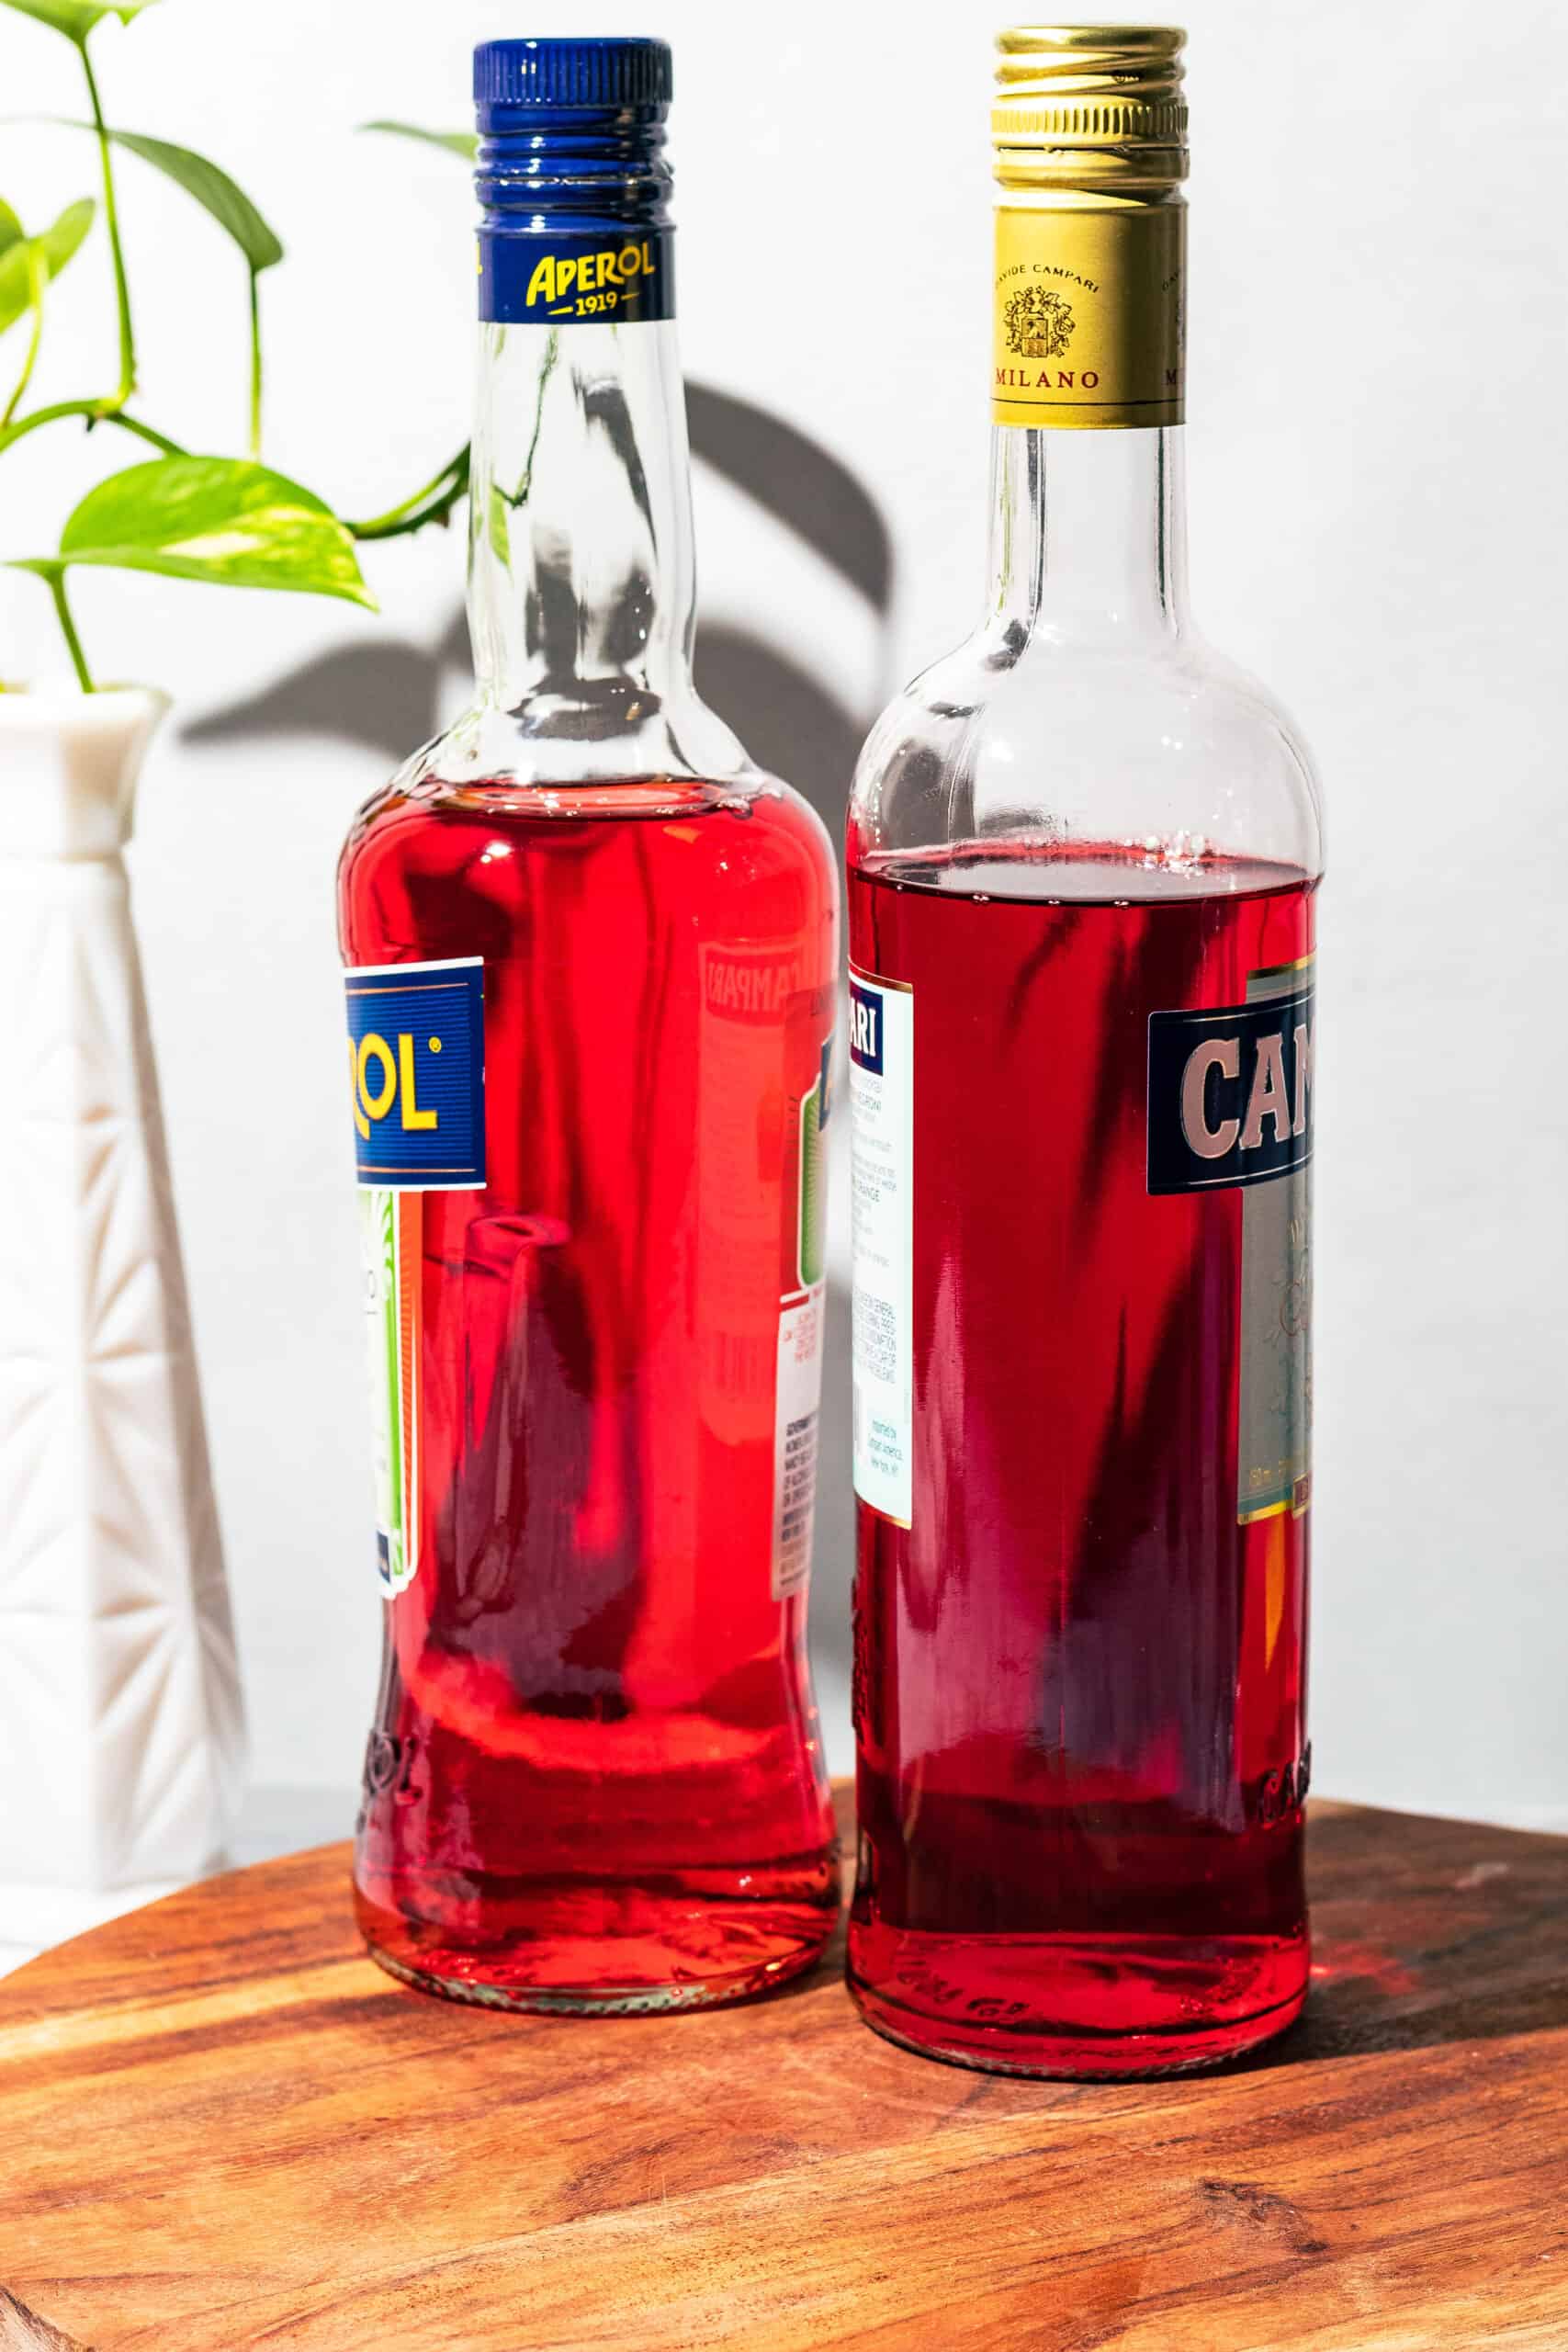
594 1778
1079 1682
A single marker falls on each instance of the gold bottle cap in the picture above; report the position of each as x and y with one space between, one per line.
1093 106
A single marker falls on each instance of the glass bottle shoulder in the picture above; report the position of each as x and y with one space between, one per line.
431 868
1159 747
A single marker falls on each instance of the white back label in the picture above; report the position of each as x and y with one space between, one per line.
881 1124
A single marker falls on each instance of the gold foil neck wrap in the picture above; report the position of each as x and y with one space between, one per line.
1096 108
1089 315
1091 135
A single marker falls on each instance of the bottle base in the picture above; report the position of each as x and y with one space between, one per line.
1074 2058
1105 2008
557 1948
600 2000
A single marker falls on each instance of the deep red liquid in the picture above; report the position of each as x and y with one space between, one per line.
594 1775
1078 1680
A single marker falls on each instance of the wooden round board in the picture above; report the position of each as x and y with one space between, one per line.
221 2127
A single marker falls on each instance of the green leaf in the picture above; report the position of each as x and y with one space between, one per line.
67 234
456 142
212 188
10 228
75 18
54 249
501 526
219 519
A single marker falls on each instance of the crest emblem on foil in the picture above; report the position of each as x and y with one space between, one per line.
1040 322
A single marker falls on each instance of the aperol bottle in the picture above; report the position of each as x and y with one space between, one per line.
591 961
1083 853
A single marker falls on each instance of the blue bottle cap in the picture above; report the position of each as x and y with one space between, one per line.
573 187
597 72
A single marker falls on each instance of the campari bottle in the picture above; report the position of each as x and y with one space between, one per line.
590 982
1083 851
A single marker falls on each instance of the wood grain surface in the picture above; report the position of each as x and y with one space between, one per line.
221 2127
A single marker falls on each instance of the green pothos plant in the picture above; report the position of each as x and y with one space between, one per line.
229 520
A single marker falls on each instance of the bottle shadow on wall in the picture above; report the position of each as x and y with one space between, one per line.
392 694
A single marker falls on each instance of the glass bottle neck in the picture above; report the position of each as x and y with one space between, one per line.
582 581
1089 534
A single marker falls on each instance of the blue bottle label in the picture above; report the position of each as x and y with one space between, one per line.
1230 1089
416 1050
531 277
1230 1109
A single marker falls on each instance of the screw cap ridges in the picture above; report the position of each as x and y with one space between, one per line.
1090 105
587 72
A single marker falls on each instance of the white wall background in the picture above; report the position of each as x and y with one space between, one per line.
1377 360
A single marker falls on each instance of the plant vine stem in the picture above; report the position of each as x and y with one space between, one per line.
111 222
95 413
433 503
255 365
68 629
552 353
37 277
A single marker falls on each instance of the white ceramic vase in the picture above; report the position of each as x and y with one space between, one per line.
121 1720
